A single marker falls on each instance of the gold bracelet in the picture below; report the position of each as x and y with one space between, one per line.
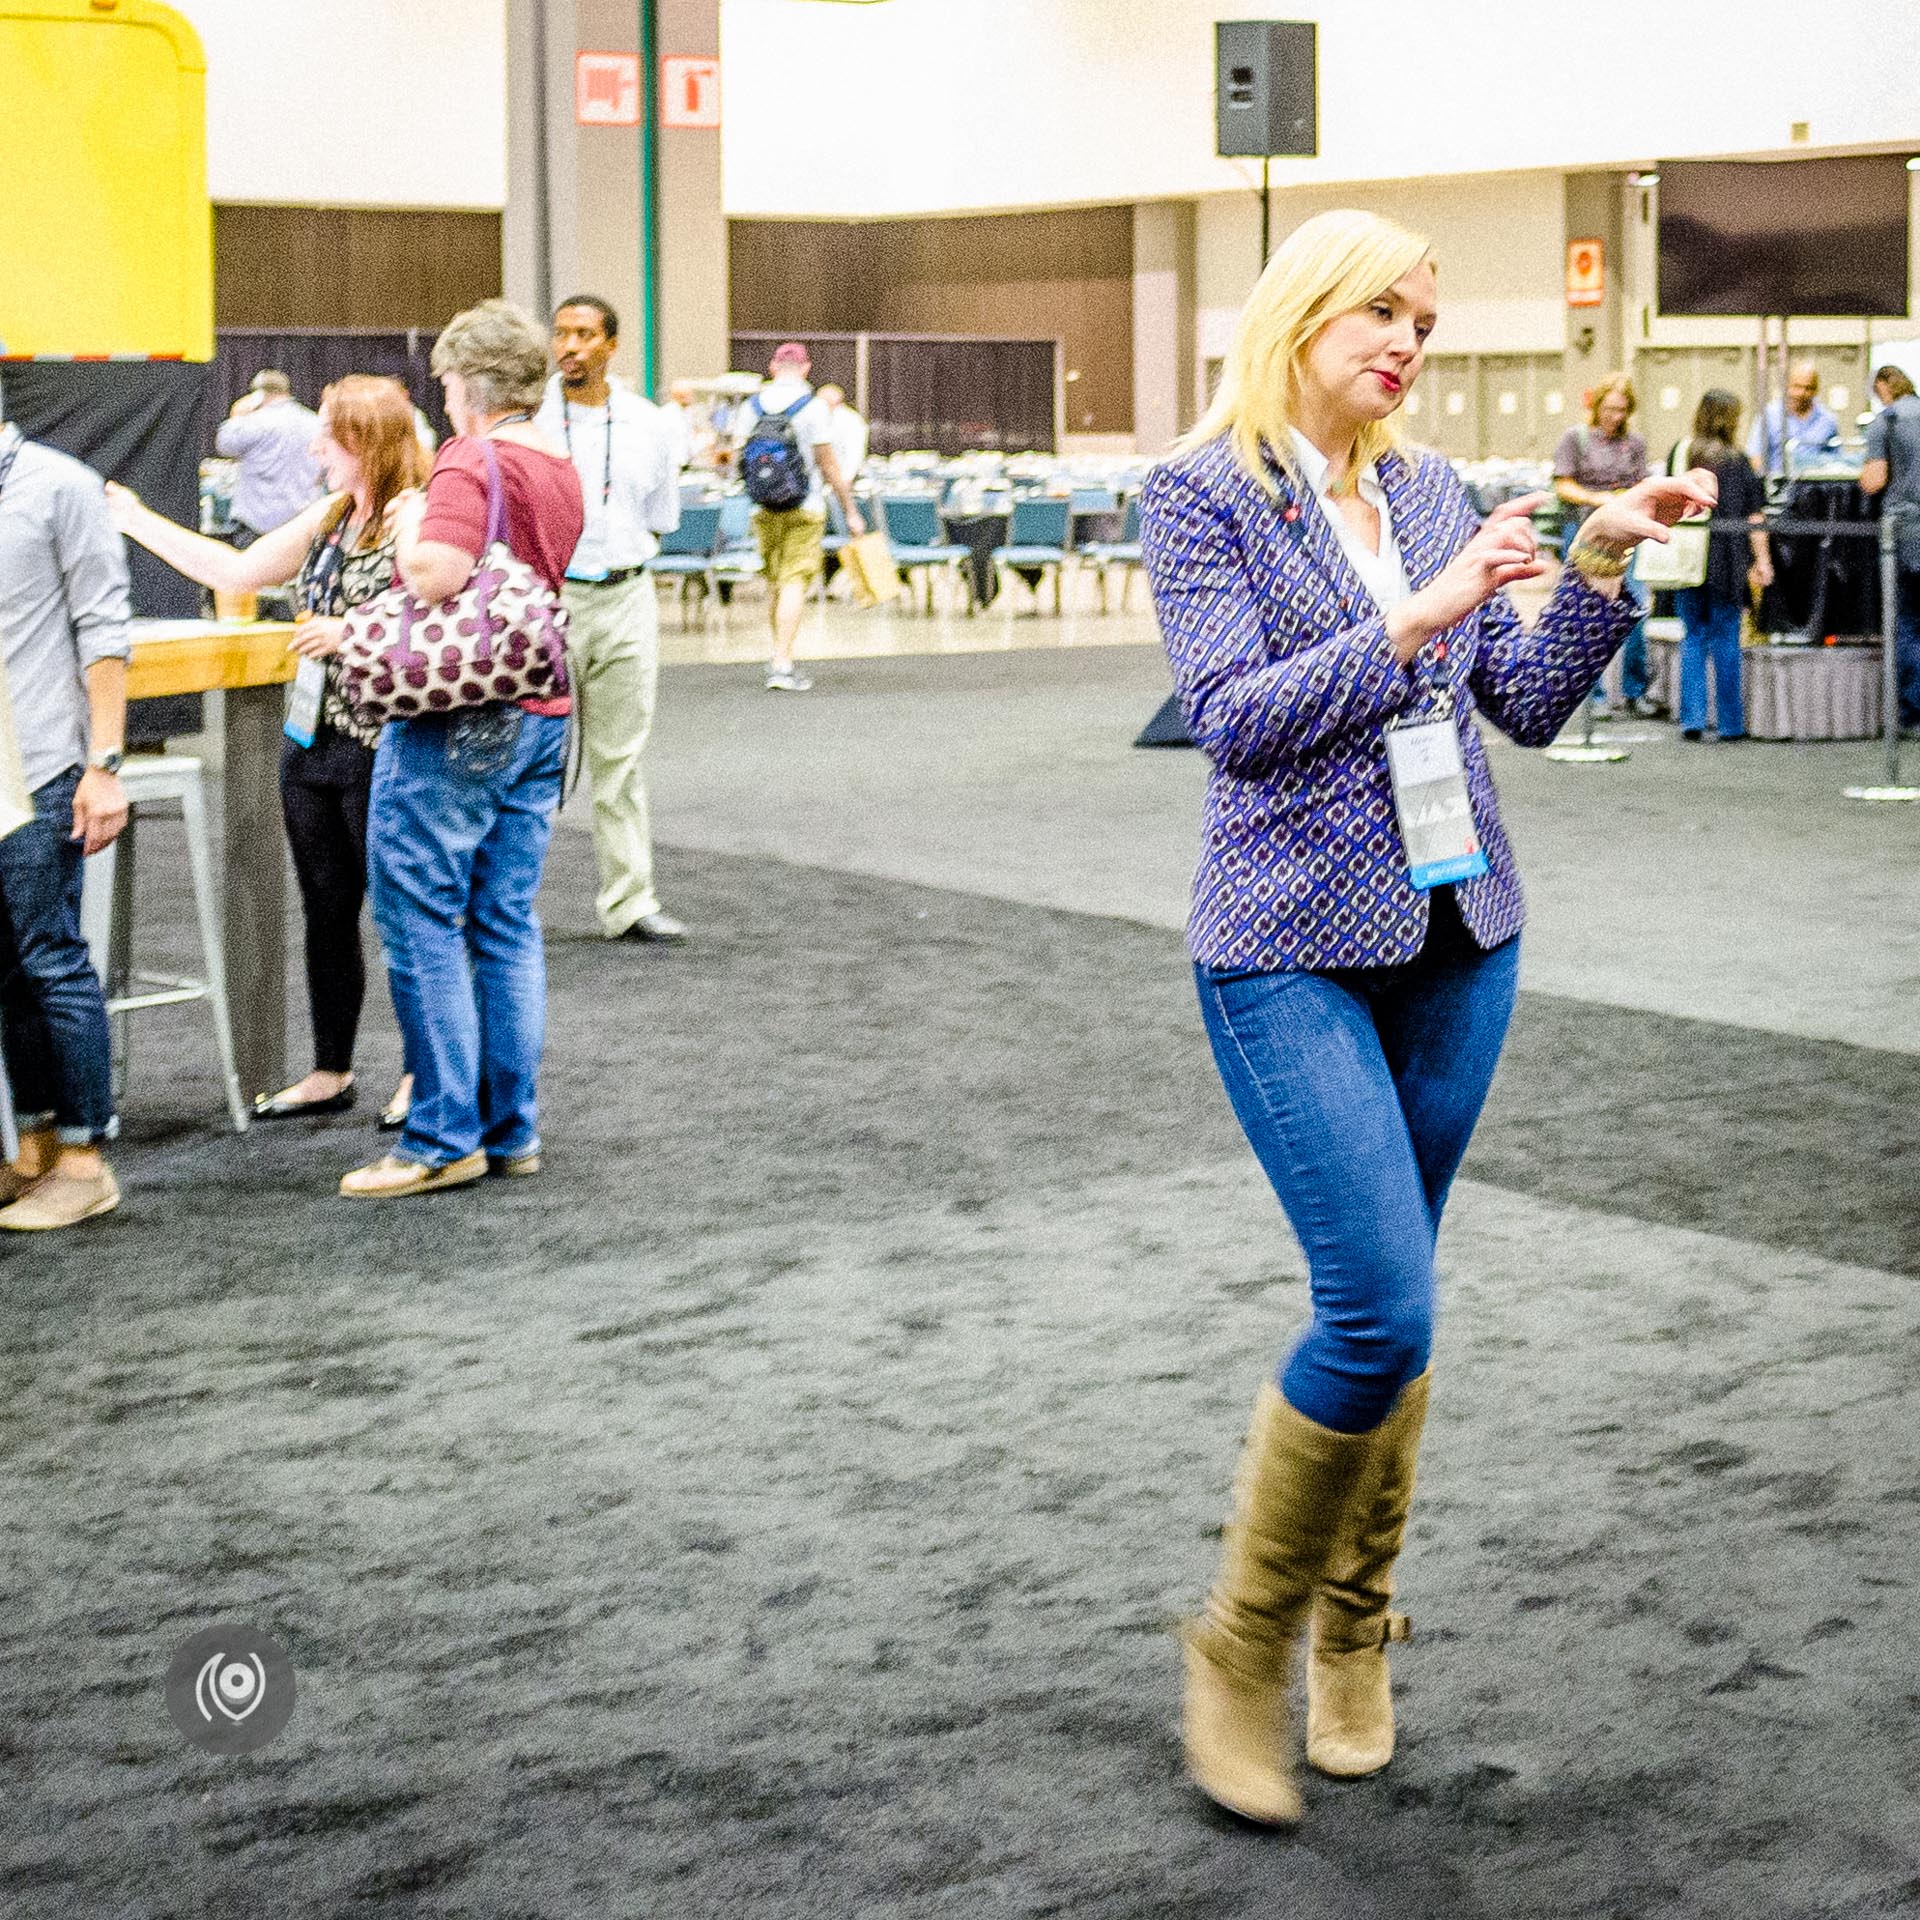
1593 562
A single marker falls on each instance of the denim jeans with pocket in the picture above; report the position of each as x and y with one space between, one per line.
58 1049
461 813
1358 1090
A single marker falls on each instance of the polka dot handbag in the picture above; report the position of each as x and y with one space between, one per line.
501 638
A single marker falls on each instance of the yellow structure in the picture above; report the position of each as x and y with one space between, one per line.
106 235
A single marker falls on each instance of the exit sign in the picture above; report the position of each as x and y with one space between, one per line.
689 91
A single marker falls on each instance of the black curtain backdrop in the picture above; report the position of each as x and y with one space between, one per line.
313 358
946 394
836 356
138 422
961 396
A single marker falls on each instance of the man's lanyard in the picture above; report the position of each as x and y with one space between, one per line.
566 427
15 441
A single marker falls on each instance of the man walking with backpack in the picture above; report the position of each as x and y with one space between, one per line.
783 444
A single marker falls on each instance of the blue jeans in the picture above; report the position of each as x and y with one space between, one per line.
1906 647
59 1053
1712 632
1358 1090
457 832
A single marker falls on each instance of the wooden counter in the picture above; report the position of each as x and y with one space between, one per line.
200 656
248 664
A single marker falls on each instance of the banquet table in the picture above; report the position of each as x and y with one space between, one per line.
250 665
1792 693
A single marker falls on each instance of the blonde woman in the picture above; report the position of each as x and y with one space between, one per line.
1329 603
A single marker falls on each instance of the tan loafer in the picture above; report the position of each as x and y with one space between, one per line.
516 1166
392 1178
59 1200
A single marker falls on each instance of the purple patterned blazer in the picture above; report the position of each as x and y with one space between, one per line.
1285 675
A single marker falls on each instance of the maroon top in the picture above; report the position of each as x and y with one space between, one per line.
544 514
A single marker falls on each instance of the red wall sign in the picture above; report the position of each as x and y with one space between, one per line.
689 92
1586 273
606 90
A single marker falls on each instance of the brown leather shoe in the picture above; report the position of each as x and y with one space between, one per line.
392 1178
62 1200
516 1166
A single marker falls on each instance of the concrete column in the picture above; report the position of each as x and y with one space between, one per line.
693 216
1596 336
575 215
1165 362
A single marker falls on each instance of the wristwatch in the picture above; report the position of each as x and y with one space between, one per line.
108 762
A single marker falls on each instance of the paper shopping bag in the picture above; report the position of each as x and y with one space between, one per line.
870 561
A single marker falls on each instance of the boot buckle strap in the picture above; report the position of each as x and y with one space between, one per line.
1397 1626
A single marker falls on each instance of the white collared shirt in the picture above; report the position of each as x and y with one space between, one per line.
630 502
1383 574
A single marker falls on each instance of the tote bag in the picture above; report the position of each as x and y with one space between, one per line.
501 638
1682 562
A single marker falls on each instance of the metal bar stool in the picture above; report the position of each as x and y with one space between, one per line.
106 915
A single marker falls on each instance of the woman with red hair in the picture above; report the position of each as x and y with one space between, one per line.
336 554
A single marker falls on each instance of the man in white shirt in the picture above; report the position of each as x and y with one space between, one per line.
624 453
792 535
850 433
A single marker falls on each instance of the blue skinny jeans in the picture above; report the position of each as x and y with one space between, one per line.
1358 1090
457 834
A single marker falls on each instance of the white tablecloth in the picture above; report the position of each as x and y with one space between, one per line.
1792 693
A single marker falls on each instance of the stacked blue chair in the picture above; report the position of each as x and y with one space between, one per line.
1040 537
736 553
1123 553
919 542
687 554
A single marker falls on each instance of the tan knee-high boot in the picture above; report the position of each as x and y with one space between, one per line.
1294 1483
1349 1696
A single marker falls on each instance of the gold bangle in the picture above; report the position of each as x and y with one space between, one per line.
1594 562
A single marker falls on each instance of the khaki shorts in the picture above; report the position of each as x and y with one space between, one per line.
790 544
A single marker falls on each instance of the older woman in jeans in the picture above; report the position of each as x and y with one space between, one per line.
463 803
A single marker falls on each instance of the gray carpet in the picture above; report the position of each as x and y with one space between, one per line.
779 1507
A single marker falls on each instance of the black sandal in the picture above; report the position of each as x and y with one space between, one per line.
276 1106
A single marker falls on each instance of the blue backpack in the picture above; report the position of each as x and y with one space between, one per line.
772 463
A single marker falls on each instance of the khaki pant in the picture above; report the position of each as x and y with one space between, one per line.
613 651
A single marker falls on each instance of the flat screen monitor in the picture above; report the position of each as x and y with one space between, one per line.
1784 236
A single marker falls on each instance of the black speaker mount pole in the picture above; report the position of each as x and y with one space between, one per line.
1266 210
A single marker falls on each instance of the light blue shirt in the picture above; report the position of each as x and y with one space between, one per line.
1809 434
631 488
278 476
63 601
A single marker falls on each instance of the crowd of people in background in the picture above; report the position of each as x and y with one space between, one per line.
1603 458
443 821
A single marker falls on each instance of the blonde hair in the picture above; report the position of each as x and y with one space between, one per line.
499 351
1331 265
1612 383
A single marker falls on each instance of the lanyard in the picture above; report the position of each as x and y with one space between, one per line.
566 426
15 441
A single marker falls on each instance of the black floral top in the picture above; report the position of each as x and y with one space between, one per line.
333 579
